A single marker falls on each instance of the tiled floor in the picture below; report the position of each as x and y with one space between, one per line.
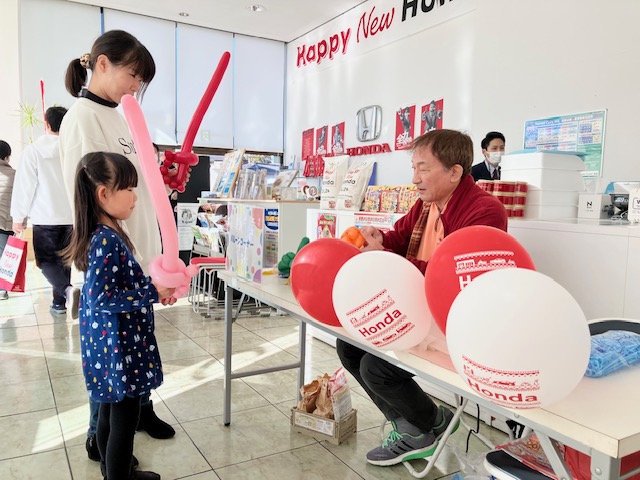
44 409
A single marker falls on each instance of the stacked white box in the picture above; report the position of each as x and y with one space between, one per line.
554 182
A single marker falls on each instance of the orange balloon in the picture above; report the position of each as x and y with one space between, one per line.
353 236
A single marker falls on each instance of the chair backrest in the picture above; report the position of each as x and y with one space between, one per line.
601 325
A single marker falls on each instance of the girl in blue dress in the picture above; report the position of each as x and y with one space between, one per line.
120 357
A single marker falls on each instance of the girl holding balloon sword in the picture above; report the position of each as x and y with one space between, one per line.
120 358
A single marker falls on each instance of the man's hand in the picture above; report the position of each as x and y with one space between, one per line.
18 227
373 239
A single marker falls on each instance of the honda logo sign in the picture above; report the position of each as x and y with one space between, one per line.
368 123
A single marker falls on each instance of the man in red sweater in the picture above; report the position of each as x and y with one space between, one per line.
449 200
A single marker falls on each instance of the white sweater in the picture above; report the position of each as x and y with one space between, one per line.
37 188
91 127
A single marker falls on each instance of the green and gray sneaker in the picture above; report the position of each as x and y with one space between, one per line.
399 447
446 415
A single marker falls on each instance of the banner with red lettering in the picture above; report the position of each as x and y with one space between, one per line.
307 144
431 116
405 122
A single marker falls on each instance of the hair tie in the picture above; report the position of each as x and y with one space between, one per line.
85 60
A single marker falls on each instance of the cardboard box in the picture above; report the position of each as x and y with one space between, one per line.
594 206
324 428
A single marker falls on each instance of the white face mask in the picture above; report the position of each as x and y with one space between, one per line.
495 158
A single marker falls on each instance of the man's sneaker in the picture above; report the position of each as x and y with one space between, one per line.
400 447
4 295
447 416
73 299
57 309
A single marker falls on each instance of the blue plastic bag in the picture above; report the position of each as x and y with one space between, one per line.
612 351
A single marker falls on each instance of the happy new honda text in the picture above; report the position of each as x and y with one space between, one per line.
370 24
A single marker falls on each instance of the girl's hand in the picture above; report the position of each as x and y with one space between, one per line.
163 292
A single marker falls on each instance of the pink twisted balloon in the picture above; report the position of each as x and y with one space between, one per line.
167 269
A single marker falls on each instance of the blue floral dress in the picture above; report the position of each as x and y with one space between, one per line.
119 350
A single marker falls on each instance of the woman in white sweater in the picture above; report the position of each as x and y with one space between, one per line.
120 65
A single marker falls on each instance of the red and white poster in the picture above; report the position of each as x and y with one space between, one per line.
321 140
337 139
307 144
405 127
431 116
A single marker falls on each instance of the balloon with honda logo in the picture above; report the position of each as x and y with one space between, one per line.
463 256
379 299
529 351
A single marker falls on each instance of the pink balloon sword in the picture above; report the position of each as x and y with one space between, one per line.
167 269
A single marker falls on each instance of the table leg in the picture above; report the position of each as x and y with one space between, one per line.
302 353
604 467
555 458
228 347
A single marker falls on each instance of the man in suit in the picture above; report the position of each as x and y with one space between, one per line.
492 149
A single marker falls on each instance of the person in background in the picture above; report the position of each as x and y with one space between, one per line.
449 200
120 65
120 358
7 177
36 195
492 149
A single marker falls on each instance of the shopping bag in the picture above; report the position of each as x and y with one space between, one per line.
13 265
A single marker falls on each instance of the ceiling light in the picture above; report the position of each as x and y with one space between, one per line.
183 14
257 8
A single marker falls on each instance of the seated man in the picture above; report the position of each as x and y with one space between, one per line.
449 200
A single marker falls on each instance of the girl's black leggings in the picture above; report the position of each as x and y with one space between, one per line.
117 424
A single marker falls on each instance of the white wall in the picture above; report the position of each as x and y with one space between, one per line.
496 63
9 84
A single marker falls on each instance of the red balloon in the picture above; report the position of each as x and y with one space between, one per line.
313 272
461 257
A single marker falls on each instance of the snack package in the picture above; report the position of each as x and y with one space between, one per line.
354 185
372 198
340 394
408 196
335 169
389 199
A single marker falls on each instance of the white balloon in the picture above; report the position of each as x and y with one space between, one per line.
379 299
518 338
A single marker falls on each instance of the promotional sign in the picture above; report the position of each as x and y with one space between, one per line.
405 126
321 140
431 116
307 144
580 132
245 237
337 139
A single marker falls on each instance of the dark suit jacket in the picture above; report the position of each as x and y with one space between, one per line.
481 172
